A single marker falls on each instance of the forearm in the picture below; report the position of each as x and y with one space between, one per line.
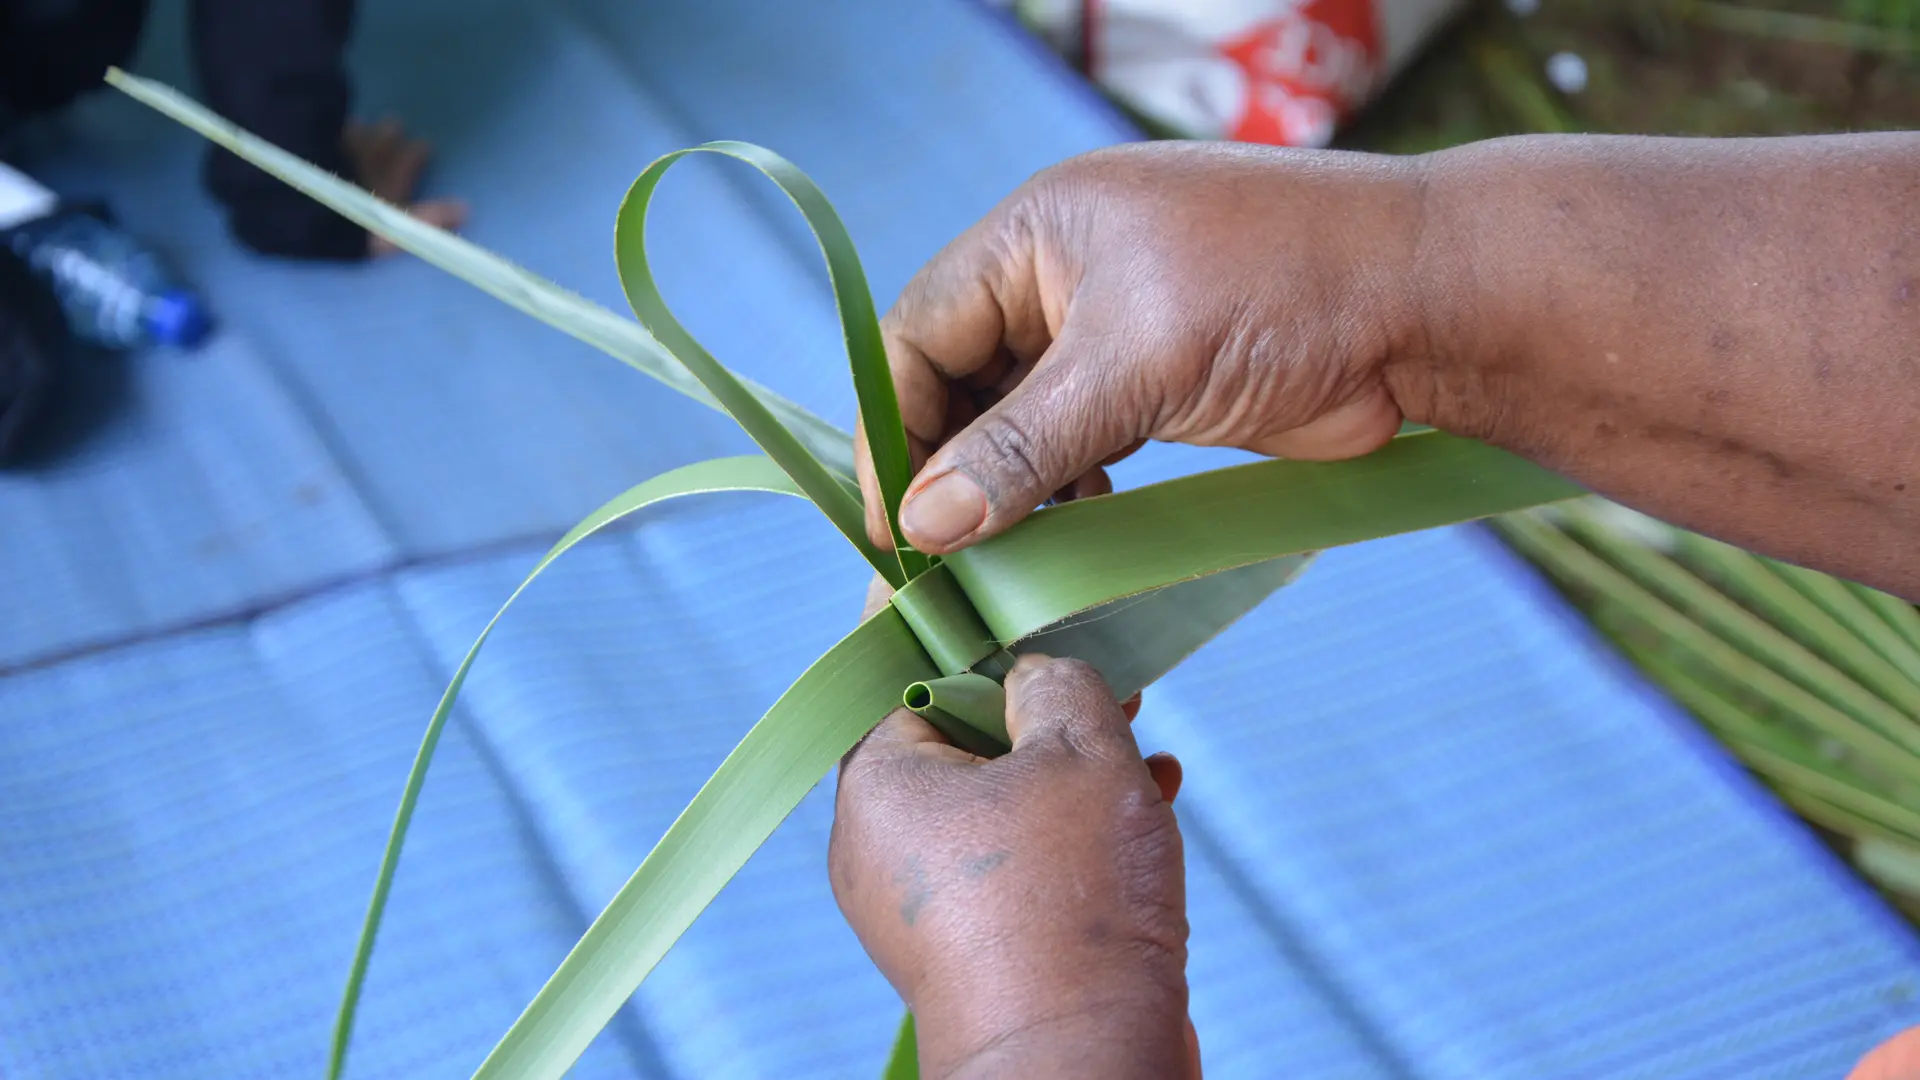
1120 1043
1052 987
1725 333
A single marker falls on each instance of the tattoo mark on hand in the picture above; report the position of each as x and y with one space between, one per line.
986 864
913 880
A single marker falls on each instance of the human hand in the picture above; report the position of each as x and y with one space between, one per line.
389 164
1219 295
1031 910
1896 1059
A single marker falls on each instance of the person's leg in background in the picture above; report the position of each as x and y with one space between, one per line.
278 69
275 67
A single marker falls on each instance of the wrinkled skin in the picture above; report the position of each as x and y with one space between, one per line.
1121 297
1718 332
1025 905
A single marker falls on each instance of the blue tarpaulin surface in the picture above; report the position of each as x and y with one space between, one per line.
1433 830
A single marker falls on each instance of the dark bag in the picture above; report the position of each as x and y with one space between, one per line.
30 335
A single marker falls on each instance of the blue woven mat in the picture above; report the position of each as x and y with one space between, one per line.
1433 831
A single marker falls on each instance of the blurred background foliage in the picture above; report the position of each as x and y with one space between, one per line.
1813 683
1670 67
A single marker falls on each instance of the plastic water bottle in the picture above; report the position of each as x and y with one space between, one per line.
114 291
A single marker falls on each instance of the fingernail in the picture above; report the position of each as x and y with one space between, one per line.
1024 666
1028 661
944 512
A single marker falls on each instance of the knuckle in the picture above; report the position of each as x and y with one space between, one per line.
898 324
1014 224
1059 186
1149 855
1146 834
1063 685
1069 701
1032 200
1074 678
1011 453
865 769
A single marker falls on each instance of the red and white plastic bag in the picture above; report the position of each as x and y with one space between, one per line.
1286 72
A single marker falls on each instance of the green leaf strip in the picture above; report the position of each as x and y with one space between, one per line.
828 492
940 613
1754 583
1790 762
1071 558
904 1062
1839 819
1134 640
1739 627
566 311
860 325
721 474
832 705
1844 604
1563 556
1898 614
968 708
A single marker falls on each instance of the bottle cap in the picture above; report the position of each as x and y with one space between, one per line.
178 318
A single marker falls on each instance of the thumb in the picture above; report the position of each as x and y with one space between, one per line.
1067 703
1054 427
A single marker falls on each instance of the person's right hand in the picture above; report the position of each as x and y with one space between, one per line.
1217 295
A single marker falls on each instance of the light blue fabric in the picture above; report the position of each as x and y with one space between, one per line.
190 826
1507 856
1433 831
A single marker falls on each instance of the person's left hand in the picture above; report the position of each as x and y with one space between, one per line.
389 164
1031 910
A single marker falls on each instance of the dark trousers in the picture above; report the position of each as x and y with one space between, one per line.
275 67
272 66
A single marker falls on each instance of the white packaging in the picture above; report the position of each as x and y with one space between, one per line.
21 199
1271 71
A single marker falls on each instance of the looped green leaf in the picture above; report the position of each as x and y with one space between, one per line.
866 354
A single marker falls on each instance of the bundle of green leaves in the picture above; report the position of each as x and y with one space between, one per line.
1812 682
